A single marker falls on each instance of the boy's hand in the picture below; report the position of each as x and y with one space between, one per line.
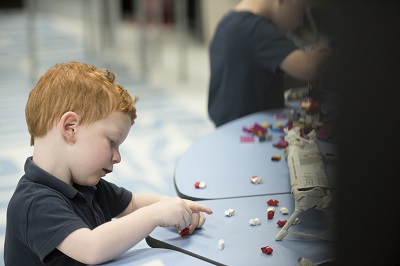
180 213
198 218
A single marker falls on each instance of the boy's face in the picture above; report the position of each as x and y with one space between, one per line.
96 149
293 13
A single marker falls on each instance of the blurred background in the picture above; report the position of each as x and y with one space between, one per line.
159 51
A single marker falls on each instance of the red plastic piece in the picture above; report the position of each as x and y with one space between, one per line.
259 129
246 139
200 185
267 250
184 232
281 223
271 214
311 106
273 202
282 143
256 129
246 129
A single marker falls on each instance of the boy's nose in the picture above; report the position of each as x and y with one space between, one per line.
116 157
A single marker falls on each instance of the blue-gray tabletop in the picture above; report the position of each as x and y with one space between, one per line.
225 164
155 257
243 241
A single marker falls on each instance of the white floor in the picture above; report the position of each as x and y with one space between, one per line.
172 111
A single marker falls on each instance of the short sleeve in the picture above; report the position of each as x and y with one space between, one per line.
49 220
112 198
271 46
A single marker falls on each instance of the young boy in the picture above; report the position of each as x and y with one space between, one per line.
61 211
250 53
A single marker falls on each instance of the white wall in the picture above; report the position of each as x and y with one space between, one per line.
69 8
212 11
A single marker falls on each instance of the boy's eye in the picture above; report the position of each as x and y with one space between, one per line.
112 142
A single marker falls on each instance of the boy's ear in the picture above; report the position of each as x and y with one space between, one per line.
68 125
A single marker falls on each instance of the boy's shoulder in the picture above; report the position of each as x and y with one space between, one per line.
37 183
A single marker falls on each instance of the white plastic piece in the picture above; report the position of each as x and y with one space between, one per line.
284 210
271 209
256 179
221 244
255 221
230 212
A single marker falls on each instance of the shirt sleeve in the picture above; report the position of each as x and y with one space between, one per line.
271 46
49 220
112 199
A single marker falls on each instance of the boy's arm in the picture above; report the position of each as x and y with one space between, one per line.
306 65
140 200
113 238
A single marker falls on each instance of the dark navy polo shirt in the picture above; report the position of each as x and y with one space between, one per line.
245 54
44 210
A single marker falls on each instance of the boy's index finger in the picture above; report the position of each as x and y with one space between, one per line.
200 208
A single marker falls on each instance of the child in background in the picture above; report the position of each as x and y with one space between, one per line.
250 54
62 211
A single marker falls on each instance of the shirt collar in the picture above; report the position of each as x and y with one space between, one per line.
40 176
